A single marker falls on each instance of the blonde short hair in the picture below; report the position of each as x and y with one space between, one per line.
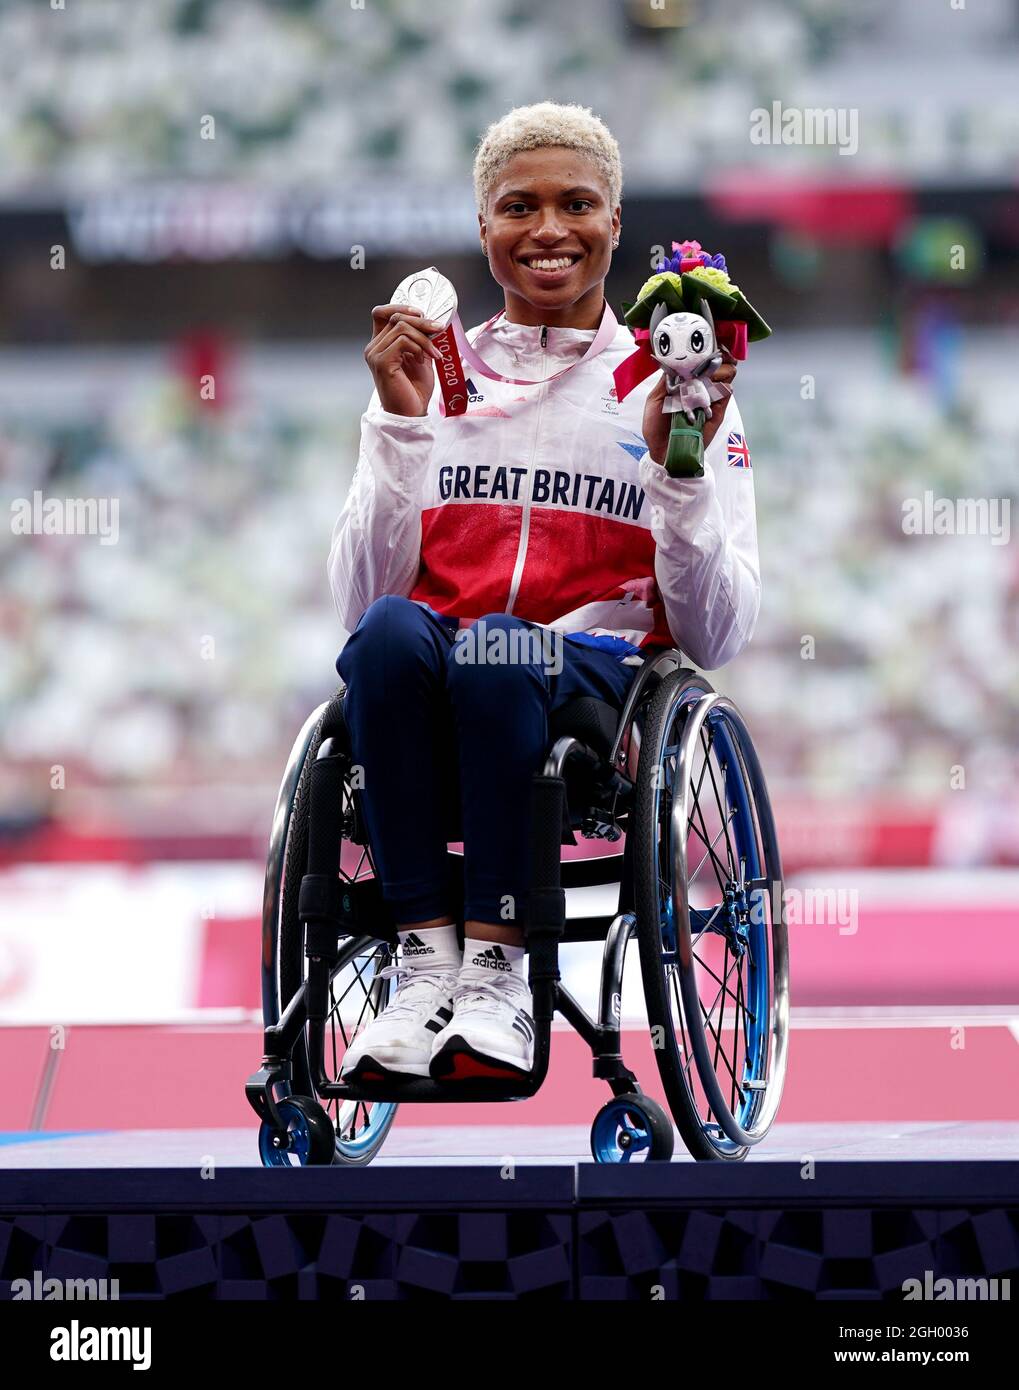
541 126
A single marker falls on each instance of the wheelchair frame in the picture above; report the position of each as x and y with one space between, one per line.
331 909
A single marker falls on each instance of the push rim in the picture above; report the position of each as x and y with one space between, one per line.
723 947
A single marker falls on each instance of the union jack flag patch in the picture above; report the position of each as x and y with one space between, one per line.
739 454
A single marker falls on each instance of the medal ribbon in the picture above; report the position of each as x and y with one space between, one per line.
456 349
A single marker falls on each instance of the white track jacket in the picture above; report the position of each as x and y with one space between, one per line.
542 501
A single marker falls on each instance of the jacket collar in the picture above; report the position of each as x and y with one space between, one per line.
525 338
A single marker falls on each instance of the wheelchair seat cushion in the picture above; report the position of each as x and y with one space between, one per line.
592 721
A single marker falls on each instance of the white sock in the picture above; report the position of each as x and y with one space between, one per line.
491 960
434 948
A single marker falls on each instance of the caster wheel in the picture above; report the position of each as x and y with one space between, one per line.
309 1138
631 1129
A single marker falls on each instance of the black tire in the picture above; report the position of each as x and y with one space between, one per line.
321 1137
290 945
320 1131
672 1065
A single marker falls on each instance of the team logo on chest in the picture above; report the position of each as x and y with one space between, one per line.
559 487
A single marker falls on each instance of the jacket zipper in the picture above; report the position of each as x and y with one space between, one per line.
525 520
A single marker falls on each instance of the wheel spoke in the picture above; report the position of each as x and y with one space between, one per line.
752 1068
725 822
689 1057
700 780
721 872
332 1030
709 928
359 973
735 1040
364 1008
354 989
687 1050
725 1059
707 854
723 983
720 995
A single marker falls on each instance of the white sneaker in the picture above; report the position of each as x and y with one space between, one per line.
491 1033
399 1042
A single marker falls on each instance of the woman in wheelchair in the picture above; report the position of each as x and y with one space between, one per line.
493 567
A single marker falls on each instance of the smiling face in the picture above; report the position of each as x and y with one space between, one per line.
549 229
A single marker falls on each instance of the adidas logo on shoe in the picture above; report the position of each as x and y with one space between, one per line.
492 959
524 1025
414 946
439 1019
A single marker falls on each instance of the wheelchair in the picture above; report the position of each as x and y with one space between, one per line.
675 779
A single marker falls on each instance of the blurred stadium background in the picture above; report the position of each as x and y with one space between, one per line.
150 689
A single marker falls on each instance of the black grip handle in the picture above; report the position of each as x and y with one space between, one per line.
325 826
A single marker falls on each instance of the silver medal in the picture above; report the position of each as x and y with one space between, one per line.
429 291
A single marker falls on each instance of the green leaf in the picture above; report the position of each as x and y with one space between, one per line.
638 315
695 293
756 326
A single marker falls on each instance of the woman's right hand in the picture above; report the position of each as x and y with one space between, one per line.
400 356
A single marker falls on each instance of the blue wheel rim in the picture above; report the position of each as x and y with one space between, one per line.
619 1131
367 1137
298 1140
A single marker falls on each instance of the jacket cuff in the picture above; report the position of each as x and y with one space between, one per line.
662 488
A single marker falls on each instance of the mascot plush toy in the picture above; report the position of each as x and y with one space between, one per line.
685 319
684 347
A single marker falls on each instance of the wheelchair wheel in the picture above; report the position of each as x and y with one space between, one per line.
307 1141
631 1129
358 993
710 919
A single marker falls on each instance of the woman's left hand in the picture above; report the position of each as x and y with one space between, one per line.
657 424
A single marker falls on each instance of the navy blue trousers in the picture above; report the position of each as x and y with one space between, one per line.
439 721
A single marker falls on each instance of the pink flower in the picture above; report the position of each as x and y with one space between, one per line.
687 248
